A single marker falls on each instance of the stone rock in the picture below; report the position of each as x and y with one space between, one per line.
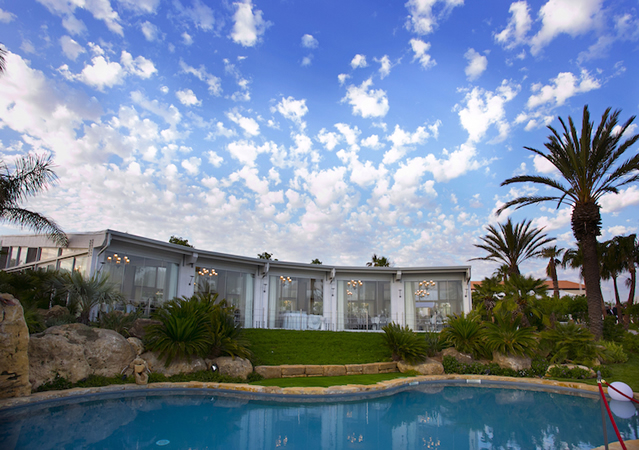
334 371
138 346
428 367
591 373
293 370
76 351
14 346
460 357
511 361
178 365
55 312
234 367
138 328
269 371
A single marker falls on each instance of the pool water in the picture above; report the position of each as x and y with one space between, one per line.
424 416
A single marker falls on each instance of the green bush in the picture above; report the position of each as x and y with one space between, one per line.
613 353
57 384
451 365
465 333
507 336
63 319
34 320
612 331
434 344
254 376
605 371
118 321
566 372
630 343
570 342
404 344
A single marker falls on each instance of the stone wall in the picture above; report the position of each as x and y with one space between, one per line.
291 371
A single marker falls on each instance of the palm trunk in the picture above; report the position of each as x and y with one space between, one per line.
631 295
555 281
593 285
618 301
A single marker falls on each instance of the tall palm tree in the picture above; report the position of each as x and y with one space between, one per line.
512 244
32 175
611 267
382 261
590 166
552 254
628 253
3 61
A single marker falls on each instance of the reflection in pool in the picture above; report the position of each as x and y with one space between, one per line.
424 416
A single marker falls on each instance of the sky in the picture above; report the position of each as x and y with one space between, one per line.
312 128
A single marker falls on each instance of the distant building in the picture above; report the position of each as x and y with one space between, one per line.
265 293
565 287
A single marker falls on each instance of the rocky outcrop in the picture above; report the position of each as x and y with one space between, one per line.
234 367
460 357
14 345
178 365
55 312
138 329
428 367
511 361
137 345
76 351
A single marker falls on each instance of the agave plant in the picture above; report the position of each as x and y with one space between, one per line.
570 342
404 344
508 336
464 332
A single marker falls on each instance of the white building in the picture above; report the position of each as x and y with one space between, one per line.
265 293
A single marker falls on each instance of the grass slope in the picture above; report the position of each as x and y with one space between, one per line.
275 347
329 381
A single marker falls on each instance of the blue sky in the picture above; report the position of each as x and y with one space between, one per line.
310 129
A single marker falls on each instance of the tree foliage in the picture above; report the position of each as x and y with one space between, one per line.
381 261
179 241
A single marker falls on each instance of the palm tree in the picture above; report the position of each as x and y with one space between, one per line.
628 254
86 293
3 63
382 261
552 254
316 261
512 245
611 267
32 176
590 167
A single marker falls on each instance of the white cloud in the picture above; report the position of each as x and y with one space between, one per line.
214 159
139 66
187 97
246 152
187 39
424 14
329 139
249 26
192 165
350 134
248 124
560 220
485 108
342 77
615 202
455 165
220 130
213 82
6 17
358 61
385 66
367 102
141 6
326 186
573 17
420 48
372 141
200 14
71 48
293 110
404 141
150 31
518 26
100 9
102 73
564 86
308 41
476 64
542 165
307 60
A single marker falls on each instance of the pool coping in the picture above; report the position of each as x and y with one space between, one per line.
332 393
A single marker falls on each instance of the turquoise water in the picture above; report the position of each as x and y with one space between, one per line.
426 416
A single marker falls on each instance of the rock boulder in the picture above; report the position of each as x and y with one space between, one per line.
428 367
512 362
138 329
76 351
177 366
460 357
14 345
234 367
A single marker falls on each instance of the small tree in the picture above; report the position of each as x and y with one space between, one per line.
316 261
86 293
266 255
382 261
179 241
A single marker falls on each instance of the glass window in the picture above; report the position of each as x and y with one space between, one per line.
66 264
145 282
429 303
296 303
71 251
234 287
367 304
4 257
81 264
22 256
48 253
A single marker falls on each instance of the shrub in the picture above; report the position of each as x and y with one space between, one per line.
566 372
605 371
63 319
253 377
630 343
34 320
464 332
433 344
613 353
119 321
507 336
404 344
57 384
451 365
612 331
570 342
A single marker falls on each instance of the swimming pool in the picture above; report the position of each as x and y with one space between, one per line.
432 415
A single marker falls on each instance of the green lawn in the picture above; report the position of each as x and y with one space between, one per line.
276 347
329 381
627 372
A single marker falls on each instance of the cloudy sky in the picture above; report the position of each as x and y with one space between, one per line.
310 129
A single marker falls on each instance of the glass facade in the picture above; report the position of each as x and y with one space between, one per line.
429 303
145 282
296 303
363 305
234 287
